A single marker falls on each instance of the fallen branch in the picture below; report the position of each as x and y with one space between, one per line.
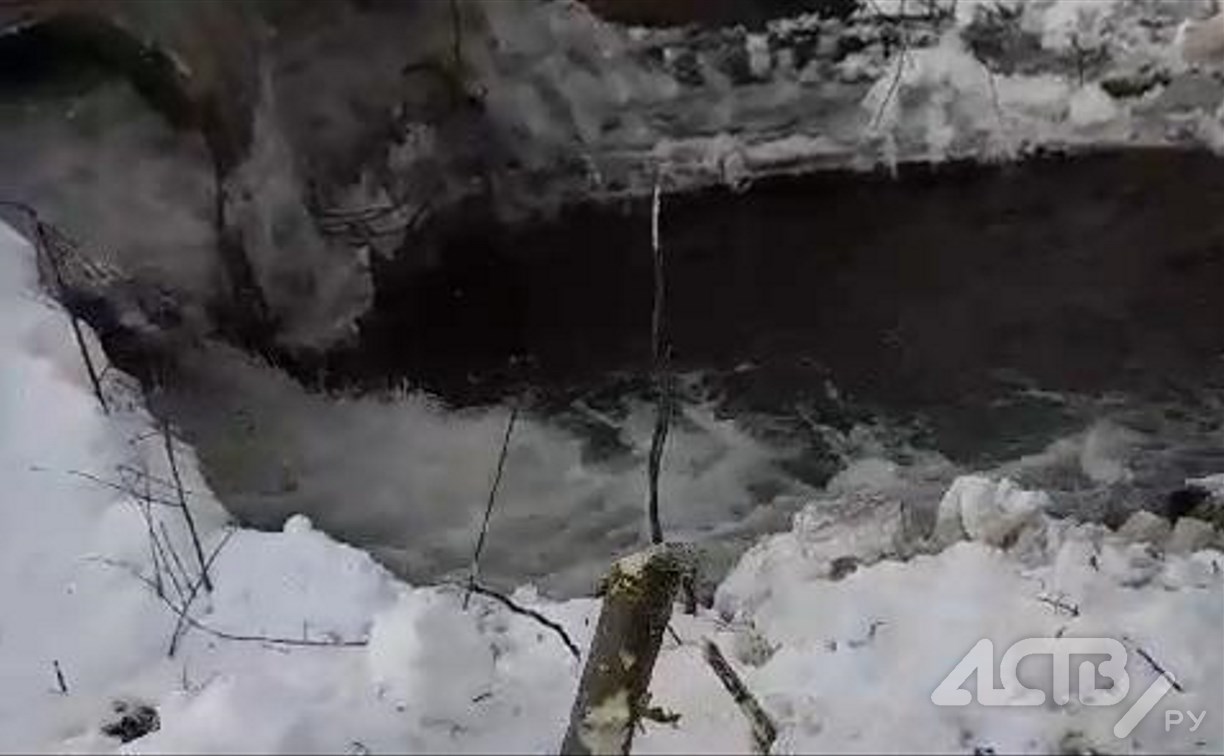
513 606
1157 666
764 732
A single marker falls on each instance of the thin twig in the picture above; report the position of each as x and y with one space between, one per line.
154 560
902 59
1061 604
183 578
656 315
903 56
1155 665
59 677
146 477
44 248
236 637
484 525
510 604
180 626
659 354
165 563
764 732
279 641
146 511
182 497
110 484
658 440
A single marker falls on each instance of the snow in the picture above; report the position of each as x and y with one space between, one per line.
856 656
1091 106
311 647
69 547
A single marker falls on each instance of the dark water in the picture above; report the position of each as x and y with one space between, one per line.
1091 273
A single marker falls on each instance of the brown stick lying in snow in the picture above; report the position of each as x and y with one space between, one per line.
614 691
763 730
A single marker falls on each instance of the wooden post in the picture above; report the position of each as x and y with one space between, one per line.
637 606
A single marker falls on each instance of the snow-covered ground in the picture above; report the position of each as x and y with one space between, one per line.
306 645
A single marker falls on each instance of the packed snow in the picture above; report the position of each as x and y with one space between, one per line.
841 627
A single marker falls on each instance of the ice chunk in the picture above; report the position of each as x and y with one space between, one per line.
870 474
987 511
1145 527
1190 534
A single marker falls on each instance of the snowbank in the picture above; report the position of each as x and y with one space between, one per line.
306 645
76 577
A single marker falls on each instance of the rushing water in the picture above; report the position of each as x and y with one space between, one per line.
406 477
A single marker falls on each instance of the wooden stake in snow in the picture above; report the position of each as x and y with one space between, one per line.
614 692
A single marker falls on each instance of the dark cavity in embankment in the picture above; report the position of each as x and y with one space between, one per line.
936 288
